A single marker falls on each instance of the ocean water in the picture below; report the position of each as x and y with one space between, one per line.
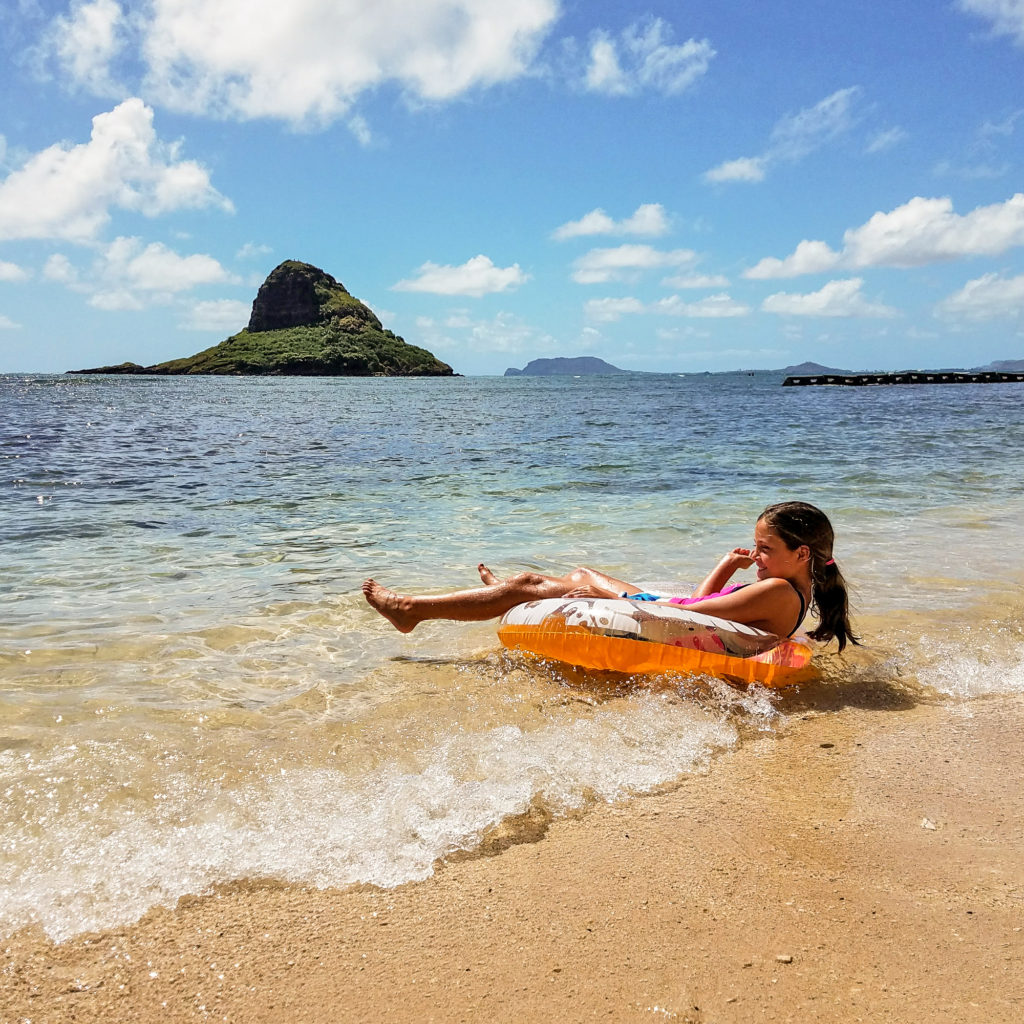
193 692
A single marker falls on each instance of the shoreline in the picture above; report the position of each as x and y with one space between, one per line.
865 864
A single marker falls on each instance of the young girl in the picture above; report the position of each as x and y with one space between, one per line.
795 570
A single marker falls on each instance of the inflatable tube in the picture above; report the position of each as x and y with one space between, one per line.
645 638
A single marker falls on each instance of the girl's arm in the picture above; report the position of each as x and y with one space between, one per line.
771 605
738 558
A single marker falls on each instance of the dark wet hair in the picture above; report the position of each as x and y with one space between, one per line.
798 523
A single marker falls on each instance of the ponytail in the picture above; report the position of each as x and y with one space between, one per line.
798 523
828 593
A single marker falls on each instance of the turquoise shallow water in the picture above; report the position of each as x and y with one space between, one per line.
192 690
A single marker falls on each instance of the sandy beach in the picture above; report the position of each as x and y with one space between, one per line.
866 865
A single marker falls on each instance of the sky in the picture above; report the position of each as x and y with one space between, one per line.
671 186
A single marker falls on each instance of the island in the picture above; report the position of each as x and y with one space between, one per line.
303 323
564 366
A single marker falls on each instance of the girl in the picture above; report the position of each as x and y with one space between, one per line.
795 569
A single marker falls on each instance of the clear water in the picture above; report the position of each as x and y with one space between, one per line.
192 690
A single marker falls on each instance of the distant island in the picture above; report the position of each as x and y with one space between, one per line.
564 366
303 323
804 368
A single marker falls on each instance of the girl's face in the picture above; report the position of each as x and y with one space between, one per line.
774 559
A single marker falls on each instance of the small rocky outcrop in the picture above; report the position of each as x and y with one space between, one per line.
304 322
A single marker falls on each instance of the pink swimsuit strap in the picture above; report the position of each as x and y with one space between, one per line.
707 597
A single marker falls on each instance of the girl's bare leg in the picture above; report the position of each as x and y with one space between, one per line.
405 612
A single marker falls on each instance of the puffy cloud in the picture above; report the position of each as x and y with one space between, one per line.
226 316
837 298
643 57
1006 16
794 137
920 232
624 262
87 41
990 297
7 324
308 61
155 268
648 219
127 274
67 192
476 277
12 272
808 258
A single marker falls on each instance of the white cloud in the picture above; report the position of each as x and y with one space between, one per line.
459 334
920 232
697 281
625 262
12 272
886 140
607 310
648 219
1006 16
7 324
252 250
226 316
476 277
745 168
808 258
837 298
794 137
60 269
155 268
643 57
87 41
712 307
310 61
67 192
127 274
990 297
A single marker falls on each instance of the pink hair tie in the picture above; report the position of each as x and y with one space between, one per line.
831 561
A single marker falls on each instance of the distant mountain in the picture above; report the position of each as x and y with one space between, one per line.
563 366
304 323
807 369
1003 366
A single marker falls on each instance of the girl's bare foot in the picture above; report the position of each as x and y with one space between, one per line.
395 608
486 575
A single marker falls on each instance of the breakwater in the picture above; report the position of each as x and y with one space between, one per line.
907 377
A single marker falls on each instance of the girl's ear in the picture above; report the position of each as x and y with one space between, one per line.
804 553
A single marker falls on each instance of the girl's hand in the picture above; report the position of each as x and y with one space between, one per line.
739 558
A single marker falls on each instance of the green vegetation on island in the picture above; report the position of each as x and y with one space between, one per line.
303 323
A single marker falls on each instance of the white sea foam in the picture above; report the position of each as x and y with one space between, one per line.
967 674
90 870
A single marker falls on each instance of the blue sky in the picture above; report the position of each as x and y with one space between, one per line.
671 186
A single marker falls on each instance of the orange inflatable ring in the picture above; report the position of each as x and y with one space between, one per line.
633 637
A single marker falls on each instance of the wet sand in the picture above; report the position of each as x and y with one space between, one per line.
867 865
